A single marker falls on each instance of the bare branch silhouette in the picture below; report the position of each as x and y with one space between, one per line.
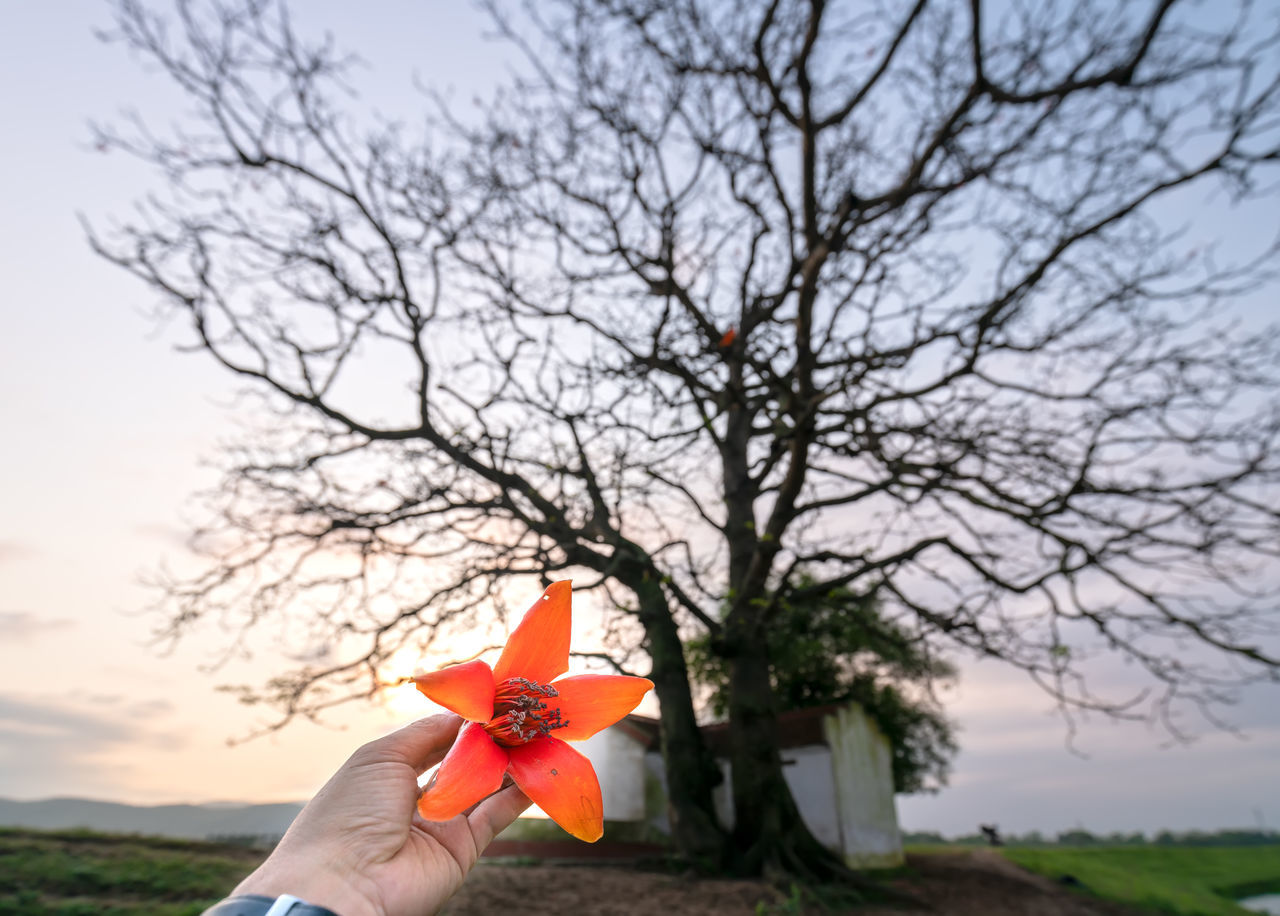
719 304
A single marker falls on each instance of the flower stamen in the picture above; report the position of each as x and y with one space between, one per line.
521 713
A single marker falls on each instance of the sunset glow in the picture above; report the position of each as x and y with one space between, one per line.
399 696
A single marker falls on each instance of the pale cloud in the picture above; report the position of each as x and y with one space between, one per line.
132 709
1021 767
1218 782
14 550
170 535
21 626
87 729
55 742
1016 770
149 708
102 699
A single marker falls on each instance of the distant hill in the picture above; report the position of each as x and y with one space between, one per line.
195 822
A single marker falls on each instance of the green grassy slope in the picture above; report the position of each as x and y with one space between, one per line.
76 873
1190 881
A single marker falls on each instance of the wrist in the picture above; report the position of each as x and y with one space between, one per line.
328 888
260 905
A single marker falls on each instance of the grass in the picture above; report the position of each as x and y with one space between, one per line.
1184 880
78 873
539 829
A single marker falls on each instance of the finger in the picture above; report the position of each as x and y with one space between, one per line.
495 814
420 744
419 820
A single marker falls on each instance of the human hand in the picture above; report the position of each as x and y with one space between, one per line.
359 847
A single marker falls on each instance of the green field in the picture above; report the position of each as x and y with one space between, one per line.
76 873
1192 881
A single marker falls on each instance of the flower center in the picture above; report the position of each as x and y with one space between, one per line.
520 712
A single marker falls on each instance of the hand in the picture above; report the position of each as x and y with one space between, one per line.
359 847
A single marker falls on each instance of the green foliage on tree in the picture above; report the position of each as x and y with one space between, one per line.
839 648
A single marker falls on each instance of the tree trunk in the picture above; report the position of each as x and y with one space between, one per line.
769 836
691 770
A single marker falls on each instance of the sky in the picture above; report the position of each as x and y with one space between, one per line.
109 432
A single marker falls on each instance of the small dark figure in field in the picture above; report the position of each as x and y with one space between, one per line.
992 833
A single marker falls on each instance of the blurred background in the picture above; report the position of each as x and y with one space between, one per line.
111 430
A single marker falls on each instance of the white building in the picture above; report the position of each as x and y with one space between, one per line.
837 764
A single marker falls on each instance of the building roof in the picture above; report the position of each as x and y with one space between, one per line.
796 728
644 730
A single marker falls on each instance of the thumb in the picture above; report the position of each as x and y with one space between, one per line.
421 744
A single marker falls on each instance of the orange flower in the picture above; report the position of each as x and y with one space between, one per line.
519 718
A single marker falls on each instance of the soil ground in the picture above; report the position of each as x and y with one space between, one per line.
972 883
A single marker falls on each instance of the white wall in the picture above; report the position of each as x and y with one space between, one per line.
862 770
808 774
619 763
844 789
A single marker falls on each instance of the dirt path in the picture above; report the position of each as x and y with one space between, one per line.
984 883
977 883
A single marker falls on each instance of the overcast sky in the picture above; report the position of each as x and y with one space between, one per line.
108 432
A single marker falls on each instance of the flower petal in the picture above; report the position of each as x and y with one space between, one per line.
562 783
466 689
472 769
590 702
539 648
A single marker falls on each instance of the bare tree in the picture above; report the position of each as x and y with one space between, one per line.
721 305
